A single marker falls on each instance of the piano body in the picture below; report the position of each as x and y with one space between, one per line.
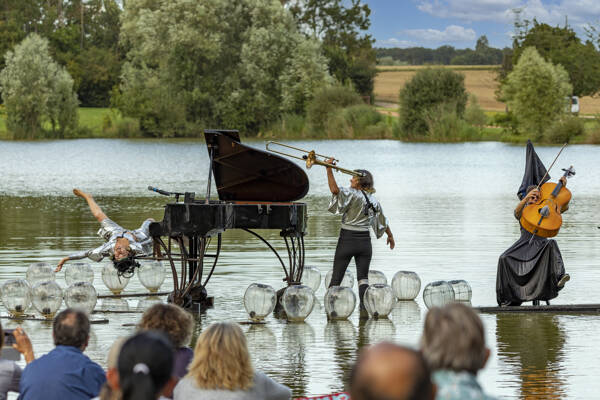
256 190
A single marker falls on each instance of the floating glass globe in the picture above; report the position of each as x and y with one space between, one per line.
462 290
339 302
39 272
112 280
16 296
151 275
259 301
298 302
81 295
406 285
109 304
311 277
379 300
438 294
377 277
347 280
79 272
47 298
148 302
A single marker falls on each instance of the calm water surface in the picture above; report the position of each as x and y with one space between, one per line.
450 208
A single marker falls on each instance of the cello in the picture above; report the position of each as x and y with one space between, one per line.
544 217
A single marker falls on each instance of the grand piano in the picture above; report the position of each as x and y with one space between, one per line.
256 190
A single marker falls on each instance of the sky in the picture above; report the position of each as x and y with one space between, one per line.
458 23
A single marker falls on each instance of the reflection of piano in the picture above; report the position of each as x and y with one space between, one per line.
256 190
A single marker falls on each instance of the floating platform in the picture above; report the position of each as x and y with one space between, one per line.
552 308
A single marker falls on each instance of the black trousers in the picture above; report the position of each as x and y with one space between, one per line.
355 244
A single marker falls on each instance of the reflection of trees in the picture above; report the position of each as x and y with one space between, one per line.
533 343
341 335
296 338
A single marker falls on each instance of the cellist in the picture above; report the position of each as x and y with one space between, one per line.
532 268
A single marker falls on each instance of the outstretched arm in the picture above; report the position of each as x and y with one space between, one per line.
94 208
333 187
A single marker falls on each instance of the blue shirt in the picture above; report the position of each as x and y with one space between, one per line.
462 385
63 374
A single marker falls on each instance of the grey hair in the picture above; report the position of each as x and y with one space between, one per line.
453 338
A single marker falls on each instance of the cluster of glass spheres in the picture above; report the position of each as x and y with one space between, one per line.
440 293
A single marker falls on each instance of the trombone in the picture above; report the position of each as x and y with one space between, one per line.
312 158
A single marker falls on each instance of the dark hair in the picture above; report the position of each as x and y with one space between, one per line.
126 266
530 188
145 365
71 328
366 180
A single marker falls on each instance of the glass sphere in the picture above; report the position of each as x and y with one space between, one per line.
109 304
438 294
339 302
79 272
81 295
148 302
379 300
298 302
39 272
112 280
16 296
311 277
377 277
462 290
406 285
151 275
259 301
347 280
47 298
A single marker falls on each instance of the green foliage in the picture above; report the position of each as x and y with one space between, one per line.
444 124
535 91
474 115
357 121
507 121
35 90
427 89
564 129
326 101
220 63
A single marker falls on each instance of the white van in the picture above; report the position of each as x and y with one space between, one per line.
572 104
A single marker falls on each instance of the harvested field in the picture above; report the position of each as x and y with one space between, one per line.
480 80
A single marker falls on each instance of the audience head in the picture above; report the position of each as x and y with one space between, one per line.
145 364
453 339
71 328
170 319
221 359
386 371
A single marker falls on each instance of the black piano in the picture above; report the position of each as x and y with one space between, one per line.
256 190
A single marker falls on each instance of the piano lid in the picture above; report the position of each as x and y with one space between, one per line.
247 174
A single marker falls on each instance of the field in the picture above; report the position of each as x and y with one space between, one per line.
480 80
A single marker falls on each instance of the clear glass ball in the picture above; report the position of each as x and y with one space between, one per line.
311 277
16 296
81 295
259 301
298 302
112 280
379 300
39 272
152 275
406 285
47 298
109 304
339 302
78 272
462 290
438 294
377 277
347 280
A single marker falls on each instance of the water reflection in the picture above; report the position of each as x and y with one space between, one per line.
406 312
117 304
533 344
297 338
342 337
376 330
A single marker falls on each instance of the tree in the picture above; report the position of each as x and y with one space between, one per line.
429 89
535 91
35 89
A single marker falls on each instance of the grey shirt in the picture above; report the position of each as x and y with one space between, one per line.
10 376
356 213
264 388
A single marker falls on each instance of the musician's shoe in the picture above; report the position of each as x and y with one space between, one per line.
563 279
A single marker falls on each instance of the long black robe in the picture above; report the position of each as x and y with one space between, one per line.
529 271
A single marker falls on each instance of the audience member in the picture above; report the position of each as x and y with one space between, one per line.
222 370
107 393
453 345
178 325
10 372
65 373
386 371
145 367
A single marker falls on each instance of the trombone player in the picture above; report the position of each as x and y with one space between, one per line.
360 210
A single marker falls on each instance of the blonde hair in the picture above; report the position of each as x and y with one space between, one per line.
221 359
